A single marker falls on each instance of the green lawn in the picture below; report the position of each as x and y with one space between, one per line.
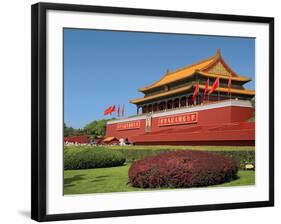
175 147
115 179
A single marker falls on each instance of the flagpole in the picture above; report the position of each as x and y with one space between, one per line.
196 99
218 90
229 88
197 103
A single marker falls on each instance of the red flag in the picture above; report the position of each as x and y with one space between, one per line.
113 109
206 88
215 85
123 110
107 110
110 110
196 91
118 111
228 86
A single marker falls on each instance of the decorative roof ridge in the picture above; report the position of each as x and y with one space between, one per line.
217 57
220 58
192 65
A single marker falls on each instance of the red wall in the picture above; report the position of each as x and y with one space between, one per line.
228 114
77 139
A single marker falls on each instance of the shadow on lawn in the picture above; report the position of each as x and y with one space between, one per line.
68 182
100 178
104 176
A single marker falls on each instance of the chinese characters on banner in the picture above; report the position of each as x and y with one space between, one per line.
178 119
128 125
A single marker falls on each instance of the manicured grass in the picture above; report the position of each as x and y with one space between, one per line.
111 179
175 147
180 147
245 178
115 179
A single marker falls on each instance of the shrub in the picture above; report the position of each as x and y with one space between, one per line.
182 169
242 157
89 157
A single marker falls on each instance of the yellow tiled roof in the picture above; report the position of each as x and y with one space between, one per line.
170 92
182 73
199 67
239 91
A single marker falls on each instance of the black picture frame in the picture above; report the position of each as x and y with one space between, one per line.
38 108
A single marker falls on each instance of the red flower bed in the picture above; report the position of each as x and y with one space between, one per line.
182 169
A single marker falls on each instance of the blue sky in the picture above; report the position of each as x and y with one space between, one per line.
102 68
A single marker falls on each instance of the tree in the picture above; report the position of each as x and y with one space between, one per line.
253 102
70 131
96 128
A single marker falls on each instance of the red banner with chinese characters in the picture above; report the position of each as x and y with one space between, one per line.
186 118
128 125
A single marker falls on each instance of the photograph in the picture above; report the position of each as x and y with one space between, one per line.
157 111
134 105
140 112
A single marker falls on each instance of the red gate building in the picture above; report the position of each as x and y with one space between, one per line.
170 113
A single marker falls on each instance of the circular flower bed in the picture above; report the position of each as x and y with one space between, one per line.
182 169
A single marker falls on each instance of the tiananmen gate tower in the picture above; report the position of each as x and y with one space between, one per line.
204 103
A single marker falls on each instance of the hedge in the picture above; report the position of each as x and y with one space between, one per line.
242 157
89 157
179 169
